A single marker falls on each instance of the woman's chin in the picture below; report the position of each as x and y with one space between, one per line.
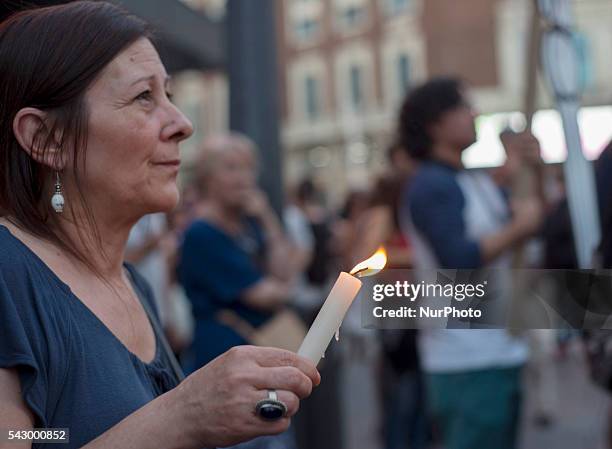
165 201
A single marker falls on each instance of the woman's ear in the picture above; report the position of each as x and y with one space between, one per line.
31 129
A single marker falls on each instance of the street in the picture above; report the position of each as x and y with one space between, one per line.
581 410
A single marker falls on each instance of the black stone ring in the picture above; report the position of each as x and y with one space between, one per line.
271 409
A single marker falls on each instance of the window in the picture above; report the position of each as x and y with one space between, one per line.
306 30
396 6
352 16
311 90
403 74
356 86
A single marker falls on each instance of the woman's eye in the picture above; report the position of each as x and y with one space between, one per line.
147 95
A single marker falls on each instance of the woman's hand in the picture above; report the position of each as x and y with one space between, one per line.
278 248
217 402
257 204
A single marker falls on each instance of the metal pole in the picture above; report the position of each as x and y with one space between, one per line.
560 62
253 84
580 186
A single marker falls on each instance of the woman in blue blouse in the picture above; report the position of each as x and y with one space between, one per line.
88 145
235 262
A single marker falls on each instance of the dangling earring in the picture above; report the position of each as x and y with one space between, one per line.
57 201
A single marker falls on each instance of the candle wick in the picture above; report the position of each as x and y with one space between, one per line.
358 272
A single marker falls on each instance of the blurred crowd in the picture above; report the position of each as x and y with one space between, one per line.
228 270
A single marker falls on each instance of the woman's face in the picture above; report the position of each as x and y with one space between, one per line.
134 130
233 178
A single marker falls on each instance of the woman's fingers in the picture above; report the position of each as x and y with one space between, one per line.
264 427
273 427
272 368
290 400
271 357
219 400
286 397
283 378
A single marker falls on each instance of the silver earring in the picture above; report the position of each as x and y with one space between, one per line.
57 201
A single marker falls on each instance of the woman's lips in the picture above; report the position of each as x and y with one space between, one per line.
172 166
174 163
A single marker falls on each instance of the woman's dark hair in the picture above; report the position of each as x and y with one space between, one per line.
387 191
49 57
308 191
422 107
394 148
355 201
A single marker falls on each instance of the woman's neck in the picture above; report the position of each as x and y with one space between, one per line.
104 247
448 155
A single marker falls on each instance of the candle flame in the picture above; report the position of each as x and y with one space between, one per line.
371 266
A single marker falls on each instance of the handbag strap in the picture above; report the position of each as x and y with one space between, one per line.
238 324
159 333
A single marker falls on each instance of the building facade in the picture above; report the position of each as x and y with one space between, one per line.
345 66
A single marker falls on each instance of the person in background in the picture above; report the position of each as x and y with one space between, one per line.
300 234
459 219
145 250
378 224
315 232
151 248
181 324
401 165
345 228
522 152
235 262
402 387
312 201
524 169
234 255
309 224
603 172
298 228
598 342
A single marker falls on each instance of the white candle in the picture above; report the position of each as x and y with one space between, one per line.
330 317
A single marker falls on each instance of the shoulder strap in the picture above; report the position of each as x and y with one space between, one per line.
159 333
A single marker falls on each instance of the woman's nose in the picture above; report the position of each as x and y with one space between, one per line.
179 126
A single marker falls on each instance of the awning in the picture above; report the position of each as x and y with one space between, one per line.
187 39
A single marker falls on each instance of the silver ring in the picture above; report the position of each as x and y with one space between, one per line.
271 409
